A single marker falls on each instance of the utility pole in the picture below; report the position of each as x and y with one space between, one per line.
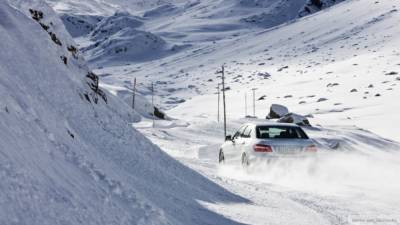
245 104
134 93
218 91
254 101
222 72
152 101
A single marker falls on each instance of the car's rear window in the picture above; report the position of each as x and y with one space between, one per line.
280 132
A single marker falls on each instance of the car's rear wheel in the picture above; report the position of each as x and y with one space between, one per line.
221 158
245 161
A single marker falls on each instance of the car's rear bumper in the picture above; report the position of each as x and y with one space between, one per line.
267 157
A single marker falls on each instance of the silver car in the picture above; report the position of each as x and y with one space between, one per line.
259 141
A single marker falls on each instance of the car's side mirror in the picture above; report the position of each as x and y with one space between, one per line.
228 138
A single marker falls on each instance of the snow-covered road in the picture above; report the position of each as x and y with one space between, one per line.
355 185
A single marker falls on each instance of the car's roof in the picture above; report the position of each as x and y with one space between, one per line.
271 123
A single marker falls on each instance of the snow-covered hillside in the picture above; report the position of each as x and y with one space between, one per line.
116 38
109 6
74 152
346 51
164 31
313 6
68 153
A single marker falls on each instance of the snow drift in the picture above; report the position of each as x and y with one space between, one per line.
67 159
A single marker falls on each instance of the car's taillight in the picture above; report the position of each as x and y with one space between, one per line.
311 148
262 148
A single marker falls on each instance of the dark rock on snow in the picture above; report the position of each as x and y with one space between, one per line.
277 111
295 118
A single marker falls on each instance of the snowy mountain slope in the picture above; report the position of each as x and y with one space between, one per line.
206 15
79 25
117 38
106 7
338 67
350 57
67 159
210 21
313 6
113 24
90 7
69 49
175 27
276 12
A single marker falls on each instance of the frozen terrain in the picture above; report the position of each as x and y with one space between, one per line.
68 154
70 159
340 65
352 180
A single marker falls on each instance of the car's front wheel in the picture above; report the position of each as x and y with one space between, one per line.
221 158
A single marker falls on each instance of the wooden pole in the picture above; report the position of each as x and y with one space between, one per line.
245 104
218 91
222 72
152 101
254 101
134 94
223 97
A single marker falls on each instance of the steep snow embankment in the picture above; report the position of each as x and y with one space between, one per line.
66 158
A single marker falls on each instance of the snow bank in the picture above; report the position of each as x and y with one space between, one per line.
142 106
68 160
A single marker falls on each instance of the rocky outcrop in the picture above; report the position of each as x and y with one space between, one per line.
314 6
282 115
295 118
277 111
